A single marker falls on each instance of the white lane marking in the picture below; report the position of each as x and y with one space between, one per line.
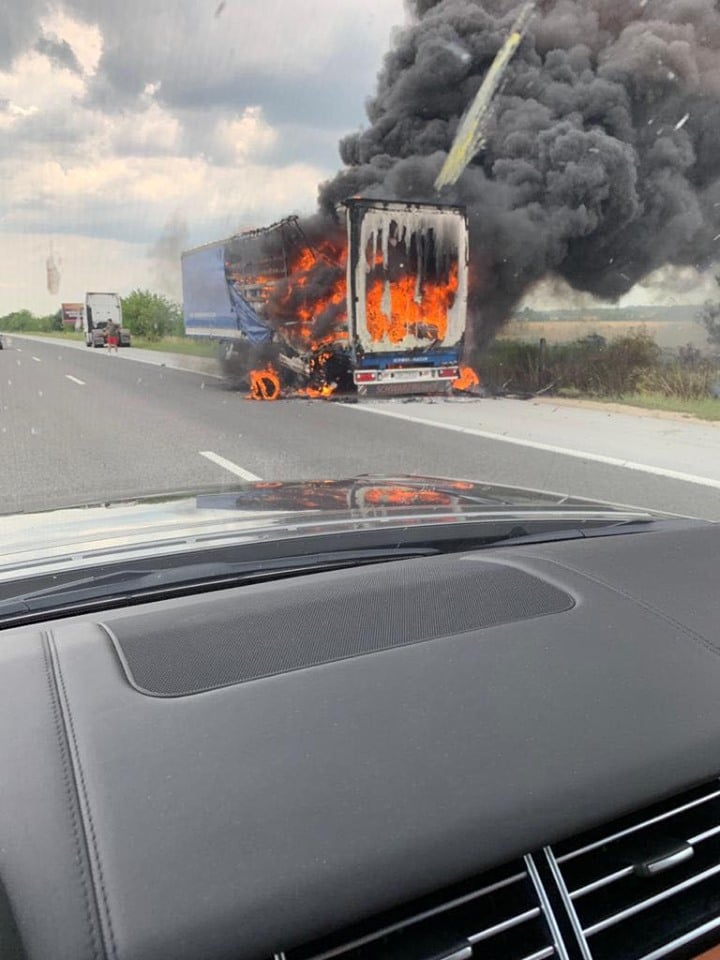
547 447
229 465
37 359
80 383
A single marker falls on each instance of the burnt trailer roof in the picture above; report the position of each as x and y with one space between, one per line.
378 203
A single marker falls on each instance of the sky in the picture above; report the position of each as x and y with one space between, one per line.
133 129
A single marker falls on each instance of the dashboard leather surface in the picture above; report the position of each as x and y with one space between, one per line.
244 820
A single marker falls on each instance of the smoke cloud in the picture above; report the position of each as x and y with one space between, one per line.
602 159
165 255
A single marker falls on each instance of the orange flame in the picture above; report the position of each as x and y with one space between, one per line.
264 384
467 379
300 328
326 390
415 309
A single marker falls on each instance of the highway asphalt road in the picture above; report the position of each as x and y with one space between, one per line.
78 426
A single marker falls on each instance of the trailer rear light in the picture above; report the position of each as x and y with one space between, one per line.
448 372
365 377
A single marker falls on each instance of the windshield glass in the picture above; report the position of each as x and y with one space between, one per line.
474 240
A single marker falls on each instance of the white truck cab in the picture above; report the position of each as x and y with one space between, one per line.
101 309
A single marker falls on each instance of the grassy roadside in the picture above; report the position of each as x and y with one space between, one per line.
182 345
55 334
705 408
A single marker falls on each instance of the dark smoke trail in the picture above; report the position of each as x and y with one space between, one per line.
602 160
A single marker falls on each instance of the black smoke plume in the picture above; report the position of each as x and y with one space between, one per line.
602 156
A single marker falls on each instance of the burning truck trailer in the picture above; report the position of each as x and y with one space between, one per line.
382 310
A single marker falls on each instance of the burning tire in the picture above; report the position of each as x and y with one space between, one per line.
264 385
238 361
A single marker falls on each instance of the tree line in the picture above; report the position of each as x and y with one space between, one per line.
150 316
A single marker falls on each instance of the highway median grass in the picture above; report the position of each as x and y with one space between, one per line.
184 345
180 345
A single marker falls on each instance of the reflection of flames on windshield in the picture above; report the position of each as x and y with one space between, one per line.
367 497
405 497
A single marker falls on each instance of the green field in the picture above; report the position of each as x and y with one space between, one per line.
707 408
183 345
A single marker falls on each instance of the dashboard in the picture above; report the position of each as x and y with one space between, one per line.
320 765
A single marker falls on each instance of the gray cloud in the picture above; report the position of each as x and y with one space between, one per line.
239 58
59 52
19 27
201 69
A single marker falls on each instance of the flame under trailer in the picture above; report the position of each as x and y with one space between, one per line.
383 313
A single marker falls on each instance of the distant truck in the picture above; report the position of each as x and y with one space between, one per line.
101 309
404 284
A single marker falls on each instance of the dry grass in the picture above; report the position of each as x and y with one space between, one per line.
666 333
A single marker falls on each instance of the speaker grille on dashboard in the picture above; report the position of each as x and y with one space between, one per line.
264 629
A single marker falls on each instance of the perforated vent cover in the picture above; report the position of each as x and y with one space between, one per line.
260 630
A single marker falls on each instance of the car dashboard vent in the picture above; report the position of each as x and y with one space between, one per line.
648 887
505 916
644 887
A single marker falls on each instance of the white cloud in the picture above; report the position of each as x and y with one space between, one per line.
85 39
245 137
33 85
154 131
103 183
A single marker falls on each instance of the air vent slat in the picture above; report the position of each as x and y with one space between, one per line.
505 925
647 886
501 916
705 835
541 954
564 857
651 901
602 882
683 941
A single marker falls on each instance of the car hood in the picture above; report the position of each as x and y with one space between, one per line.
266 510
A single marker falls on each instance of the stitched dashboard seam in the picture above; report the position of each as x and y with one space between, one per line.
79 840
84 798
649 607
